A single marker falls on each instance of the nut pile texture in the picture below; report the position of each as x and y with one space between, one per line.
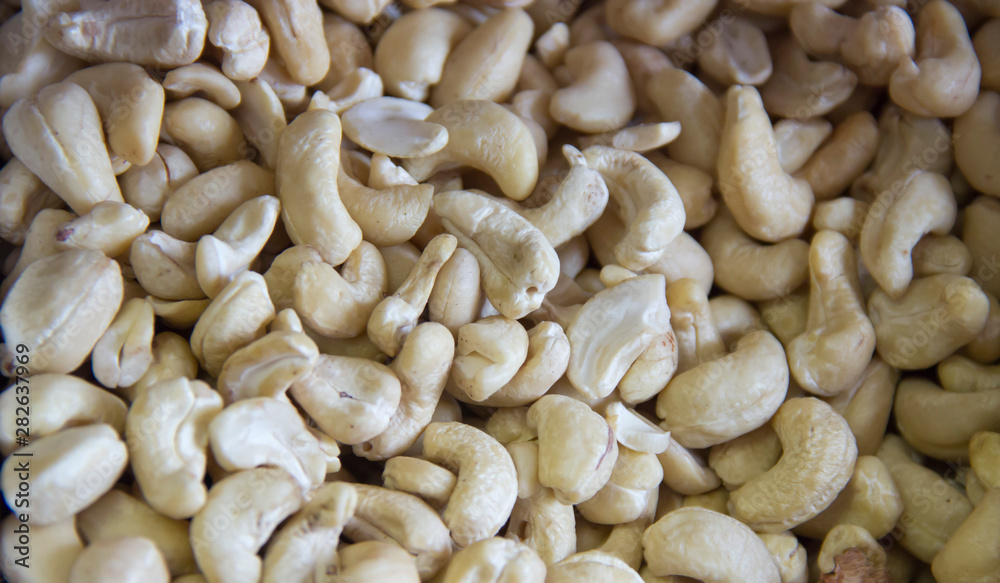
500 291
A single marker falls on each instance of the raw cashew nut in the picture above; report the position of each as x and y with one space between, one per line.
129 559
124 352
744 458
395 316
387 215
422 367
338 305
351 399
593 565
234 28
519 265
486 489
65 472
612 330
800 88
495 560
843 157
844 538
818 457
130 104
313 214
737 54
59 308
574 467
488 354
680 96
766 201
109 227
623 498
831 355
236 317
297 33
56 547
935 316
646 201
239 516
975 130
487 137
601 97
267 432
749 269
205 79
943 80
959 374
546 361
960 559
267 367
235 244
22 197
167 436
166 267
394 127
941 423
797 139
57 134
724 398
411 61
429 481
686 542
456 298
983 449
206 132
657 22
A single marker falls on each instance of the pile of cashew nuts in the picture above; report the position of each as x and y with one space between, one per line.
500 291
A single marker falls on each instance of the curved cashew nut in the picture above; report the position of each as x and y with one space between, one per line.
519 265
167 436
40 242
541 521
959 374
576 468
172 358
394 127
456 298
422 367
124 352
797 139
612 330
843 157
844 215
383 514
22 197
338 305
766 202
737 55
57 134
486 489
207 80
234 28
800 88
657 22
236 317
239 516
488 354
166 267
698 338
487 137
592 566
132 134
974 131
429 481
206 132
495 560
387 216
955 561
896 221
701 409
749 269
68 471
410 61
680 96
983 457
734 318
668 544
867 405
818 458
943 81
395 316
268 366
109 227
830 356
935 254
313 214
623 498
547 358
601 97
297 34
923 415
235 244
487 62
935 316
351 399
744 458
129 558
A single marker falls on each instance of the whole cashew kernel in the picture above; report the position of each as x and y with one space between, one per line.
234 27
601 97
941 423
843 157
488 354
456 297
976 131
957 561
411 62
337 305
429 481
235 318
268 366
680 96
495 560
129 559
657 22
800 88
124 352
109 227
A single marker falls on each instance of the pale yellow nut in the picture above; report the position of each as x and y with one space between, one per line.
680 96
57 134
844 215
494 560
284 269
109 227
933 508
59 401
961 559
983 449
800 88
261 115
818 458
376 561
456 298
419 477
745 457
988 50
199 78
359 85
236 317
57 546
845 537
172 359
297 33
518 264
148 187
684 541
737 55
292 95
234 28
39 242
942 80
765 201
546 361
545 525
941 423
338 305
161 33
601 97
734 318
977 132
165 266
694 187
30 63
797 139
843 157
657 22
935 316
935 254
867 405
22 197
960 374
789 554
308 158
488 354
486 63
349 50
241 513
638 138
576 468
350 399
388 215
124 352
58 309
206 132
698 338
116 514
167 436
623 498
394 127
487 137
267 367
235 244
981 218
67 471
129 559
